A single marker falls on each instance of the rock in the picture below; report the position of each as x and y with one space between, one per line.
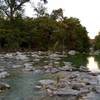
77 86
97 52
97 89
4 86
35 56
90 96
17 66
65 68
38 71
98 79
4 74
55 56
8 55
28 67
72 52
52 70
46 82
68 63
73 76
38 87
1 70
67 92
20 56
36 59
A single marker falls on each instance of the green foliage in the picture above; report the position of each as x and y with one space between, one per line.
97 42
76 35
44 33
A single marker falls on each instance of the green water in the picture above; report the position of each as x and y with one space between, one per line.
23 83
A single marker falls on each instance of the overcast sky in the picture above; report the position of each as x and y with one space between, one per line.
88 11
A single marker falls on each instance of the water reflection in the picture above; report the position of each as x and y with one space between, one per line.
92 65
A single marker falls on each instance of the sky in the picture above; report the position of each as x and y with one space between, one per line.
87 11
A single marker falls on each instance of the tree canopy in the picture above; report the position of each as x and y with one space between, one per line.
44 32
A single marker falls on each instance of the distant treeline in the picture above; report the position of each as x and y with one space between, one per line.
44 32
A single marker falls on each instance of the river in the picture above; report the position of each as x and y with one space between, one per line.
23 83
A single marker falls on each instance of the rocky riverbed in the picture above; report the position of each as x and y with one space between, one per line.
63 79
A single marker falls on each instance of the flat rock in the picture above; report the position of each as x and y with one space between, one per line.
46 82
67 92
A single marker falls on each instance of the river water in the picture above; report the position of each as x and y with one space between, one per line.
23 83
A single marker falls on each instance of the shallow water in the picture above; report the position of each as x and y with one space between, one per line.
23 83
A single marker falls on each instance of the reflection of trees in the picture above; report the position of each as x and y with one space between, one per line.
78 60
97 59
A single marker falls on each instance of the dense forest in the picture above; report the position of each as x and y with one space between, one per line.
45 31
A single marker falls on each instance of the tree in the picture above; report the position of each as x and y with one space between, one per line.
57 14
40 10
11 7
76 35
97 42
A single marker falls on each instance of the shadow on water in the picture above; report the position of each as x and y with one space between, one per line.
97 59
78 60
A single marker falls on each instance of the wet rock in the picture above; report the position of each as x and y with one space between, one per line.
97 52
35 55
52 70
8 55
67 92
72 52
20 56
68 63
90 96
38 87
36 59
17 66
28 67
4 86
38 71
98 79
4 74
46 82
97 89
77 86
65 68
